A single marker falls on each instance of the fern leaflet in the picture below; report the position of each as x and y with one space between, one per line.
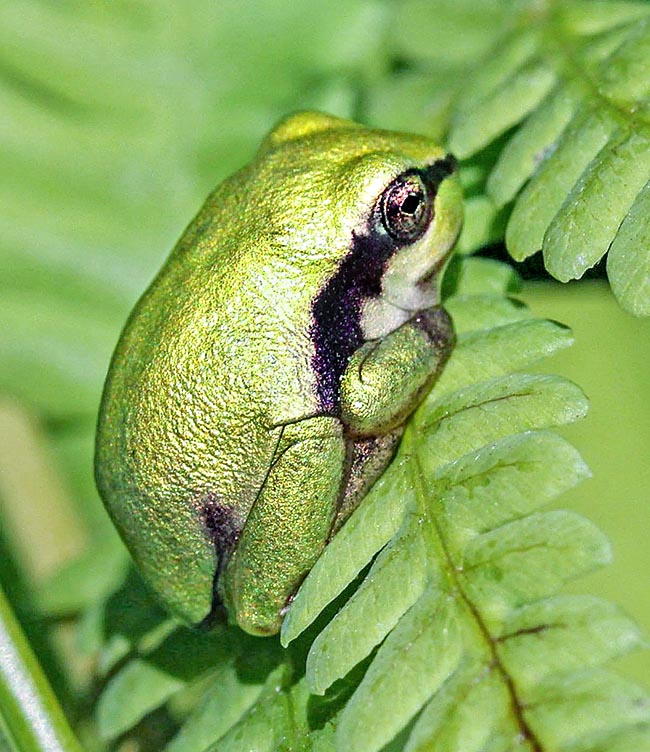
578 75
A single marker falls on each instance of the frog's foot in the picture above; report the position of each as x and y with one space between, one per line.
386 378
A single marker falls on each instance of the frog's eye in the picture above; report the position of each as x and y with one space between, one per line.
406 208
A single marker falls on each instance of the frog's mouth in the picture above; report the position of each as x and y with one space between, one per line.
429 280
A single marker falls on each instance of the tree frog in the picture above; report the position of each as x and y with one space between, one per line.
262 382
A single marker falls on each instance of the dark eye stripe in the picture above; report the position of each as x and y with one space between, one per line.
435 173
336 311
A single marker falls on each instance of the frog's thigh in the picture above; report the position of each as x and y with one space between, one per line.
385 378
288 524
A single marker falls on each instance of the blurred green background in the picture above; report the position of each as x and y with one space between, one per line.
117 118
610 362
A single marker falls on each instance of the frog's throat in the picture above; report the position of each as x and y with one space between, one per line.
381 316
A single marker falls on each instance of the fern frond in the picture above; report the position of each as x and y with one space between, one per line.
461 598
455 636
577 73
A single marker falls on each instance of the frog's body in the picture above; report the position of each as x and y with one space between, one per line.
261 382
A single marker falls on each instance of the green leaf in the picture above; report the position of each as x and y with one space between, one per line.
515 51
417 100
480 276
529 559
534 637
366 532
484 224
596 206
495 566
225 701
544 196
464 714
48 360
577 74
527 148
577 710
78 585
483 413
265 725
483 312
146 682
130 620
459 616
497 351
417 657
399 573
447 30
628 261
524 471
505 107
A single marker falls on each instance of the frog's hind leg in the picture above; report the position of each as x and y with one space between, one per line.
288 525
368 458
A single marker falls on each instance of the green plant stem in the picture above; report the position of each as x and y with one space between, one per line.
30 715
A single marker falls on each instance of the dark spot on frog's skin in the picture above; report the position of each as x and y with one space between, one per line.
336 311
367 460
223 528
221 524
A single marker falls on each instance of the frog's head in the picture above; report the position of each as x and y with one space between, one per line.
386 206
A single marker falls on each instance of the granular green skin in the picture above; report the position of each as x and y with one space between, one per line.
213 441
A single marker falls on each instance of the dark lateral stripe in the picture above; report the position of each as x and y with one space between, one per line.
336 312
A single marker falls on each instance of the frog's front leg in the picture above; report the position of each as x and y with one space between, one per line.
288 524
385 379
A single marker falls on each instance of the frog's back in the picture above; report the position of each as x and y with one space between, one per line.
207 365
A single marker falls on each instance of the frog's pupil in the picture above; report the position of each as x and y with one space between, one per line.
411 203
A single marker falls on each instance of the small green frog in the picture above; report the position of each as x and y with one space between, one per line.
263 380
